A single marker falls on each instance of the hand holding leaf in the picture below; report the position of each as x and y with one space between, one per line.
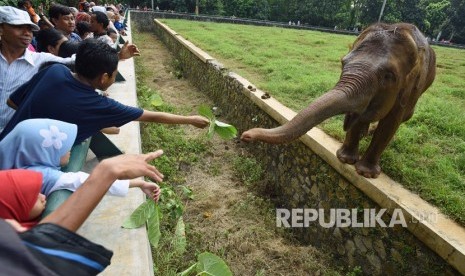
225 131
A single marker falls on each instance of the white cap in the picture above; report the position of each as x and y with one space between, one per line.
14 16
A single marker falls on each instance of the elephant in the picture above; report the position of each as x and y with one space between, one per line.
387 69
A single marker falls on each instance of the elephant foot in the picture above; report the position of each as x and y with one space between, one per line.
367 169
347 156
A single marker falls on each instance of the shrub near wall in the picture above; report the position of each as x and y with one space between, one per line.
298 178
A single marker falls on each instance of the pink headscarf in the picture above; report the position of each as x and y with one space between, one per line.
19 190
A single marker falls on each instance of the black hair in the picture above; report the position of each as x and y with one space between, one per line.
21 3
68 48
48 37
102 18
95 58
56 10
82 27
42 23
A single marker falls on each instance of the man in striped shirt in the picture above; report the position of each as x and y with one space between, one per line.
17 63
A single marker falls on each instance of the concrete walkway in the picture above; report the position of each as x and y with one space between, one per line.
132 253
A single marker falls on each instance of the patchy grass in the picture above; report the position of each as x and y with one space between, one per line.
427 154
210 178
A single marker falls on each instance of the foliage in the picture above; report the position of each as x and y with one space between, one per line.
292 71
147 213
248 169
433 17
225 131
457 20
12 3
208 264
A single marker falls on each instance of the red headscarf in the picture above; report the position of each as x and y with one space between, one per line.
19 190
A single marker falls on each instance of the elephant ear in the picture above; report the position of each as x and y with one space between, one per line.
413 78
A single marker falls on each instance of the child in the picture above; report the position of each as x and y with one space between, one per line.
59 94
52 247
43 145
20 197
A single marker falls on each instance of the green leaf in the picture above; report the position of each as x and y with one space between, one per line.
211 130
187 192
210 264
188 271
206 112
139 216
179 241
153 226
156 100
225 131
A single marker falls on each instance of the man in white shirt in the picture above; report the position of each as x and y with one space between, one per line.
17 63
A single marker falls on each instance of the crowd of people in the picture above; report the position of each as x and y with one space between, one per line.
52 68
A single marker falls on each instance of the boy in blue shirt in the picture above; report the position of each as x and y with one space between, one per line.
57 93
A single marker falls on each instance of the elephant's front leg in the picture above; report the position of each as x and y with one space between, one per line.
348 153
368 165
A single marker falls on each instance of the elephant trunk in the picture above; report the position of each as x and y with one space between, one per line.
332 103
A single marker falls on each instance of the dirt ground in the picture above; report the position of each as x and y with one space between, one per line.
227 217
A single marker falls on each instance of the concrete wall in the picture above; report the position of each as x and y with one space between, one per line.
307 174
131 249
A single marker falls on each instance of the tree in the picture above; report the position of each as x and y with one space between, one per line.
214 7
436 16
457 21
256 9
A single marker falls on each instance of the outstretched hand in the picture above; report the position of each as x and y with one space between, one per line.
151 189
199 121
74 211
128 51
128 166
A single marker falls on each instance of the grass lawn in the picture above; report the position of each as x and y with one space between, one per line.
427 155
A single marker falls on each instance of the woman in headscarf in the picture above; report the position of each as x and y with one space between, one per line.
20 197
44 145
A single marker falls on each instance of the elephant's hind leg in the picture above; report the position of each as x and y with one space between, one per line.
348 153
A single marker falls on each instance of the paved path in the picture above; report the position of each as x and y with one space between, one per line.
132 254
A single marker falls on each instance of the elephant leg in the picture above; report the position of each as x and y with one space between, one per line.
368 165
349 120
348 153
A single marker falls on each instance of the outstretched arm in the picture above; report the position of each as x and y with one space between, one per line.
75 210
152 190
168 118
128 51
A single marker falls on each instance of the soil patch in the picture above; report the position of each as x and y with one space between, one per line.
226 216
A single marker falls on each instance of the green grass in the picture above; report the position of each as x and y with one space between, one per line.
178 149
427 154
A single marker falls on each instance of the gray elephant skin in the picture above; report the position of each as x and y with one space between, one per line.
387 69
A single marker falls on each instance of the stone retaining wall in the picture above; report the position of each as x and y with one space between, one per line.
298 175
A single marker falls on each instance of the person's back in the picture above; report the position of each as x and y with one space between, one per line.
62 97
58 94
17 64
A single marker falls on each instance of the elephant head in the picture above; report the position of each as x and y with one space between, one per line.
383 75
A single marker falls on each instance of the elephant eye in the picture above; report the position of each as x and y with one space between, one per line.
390 76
